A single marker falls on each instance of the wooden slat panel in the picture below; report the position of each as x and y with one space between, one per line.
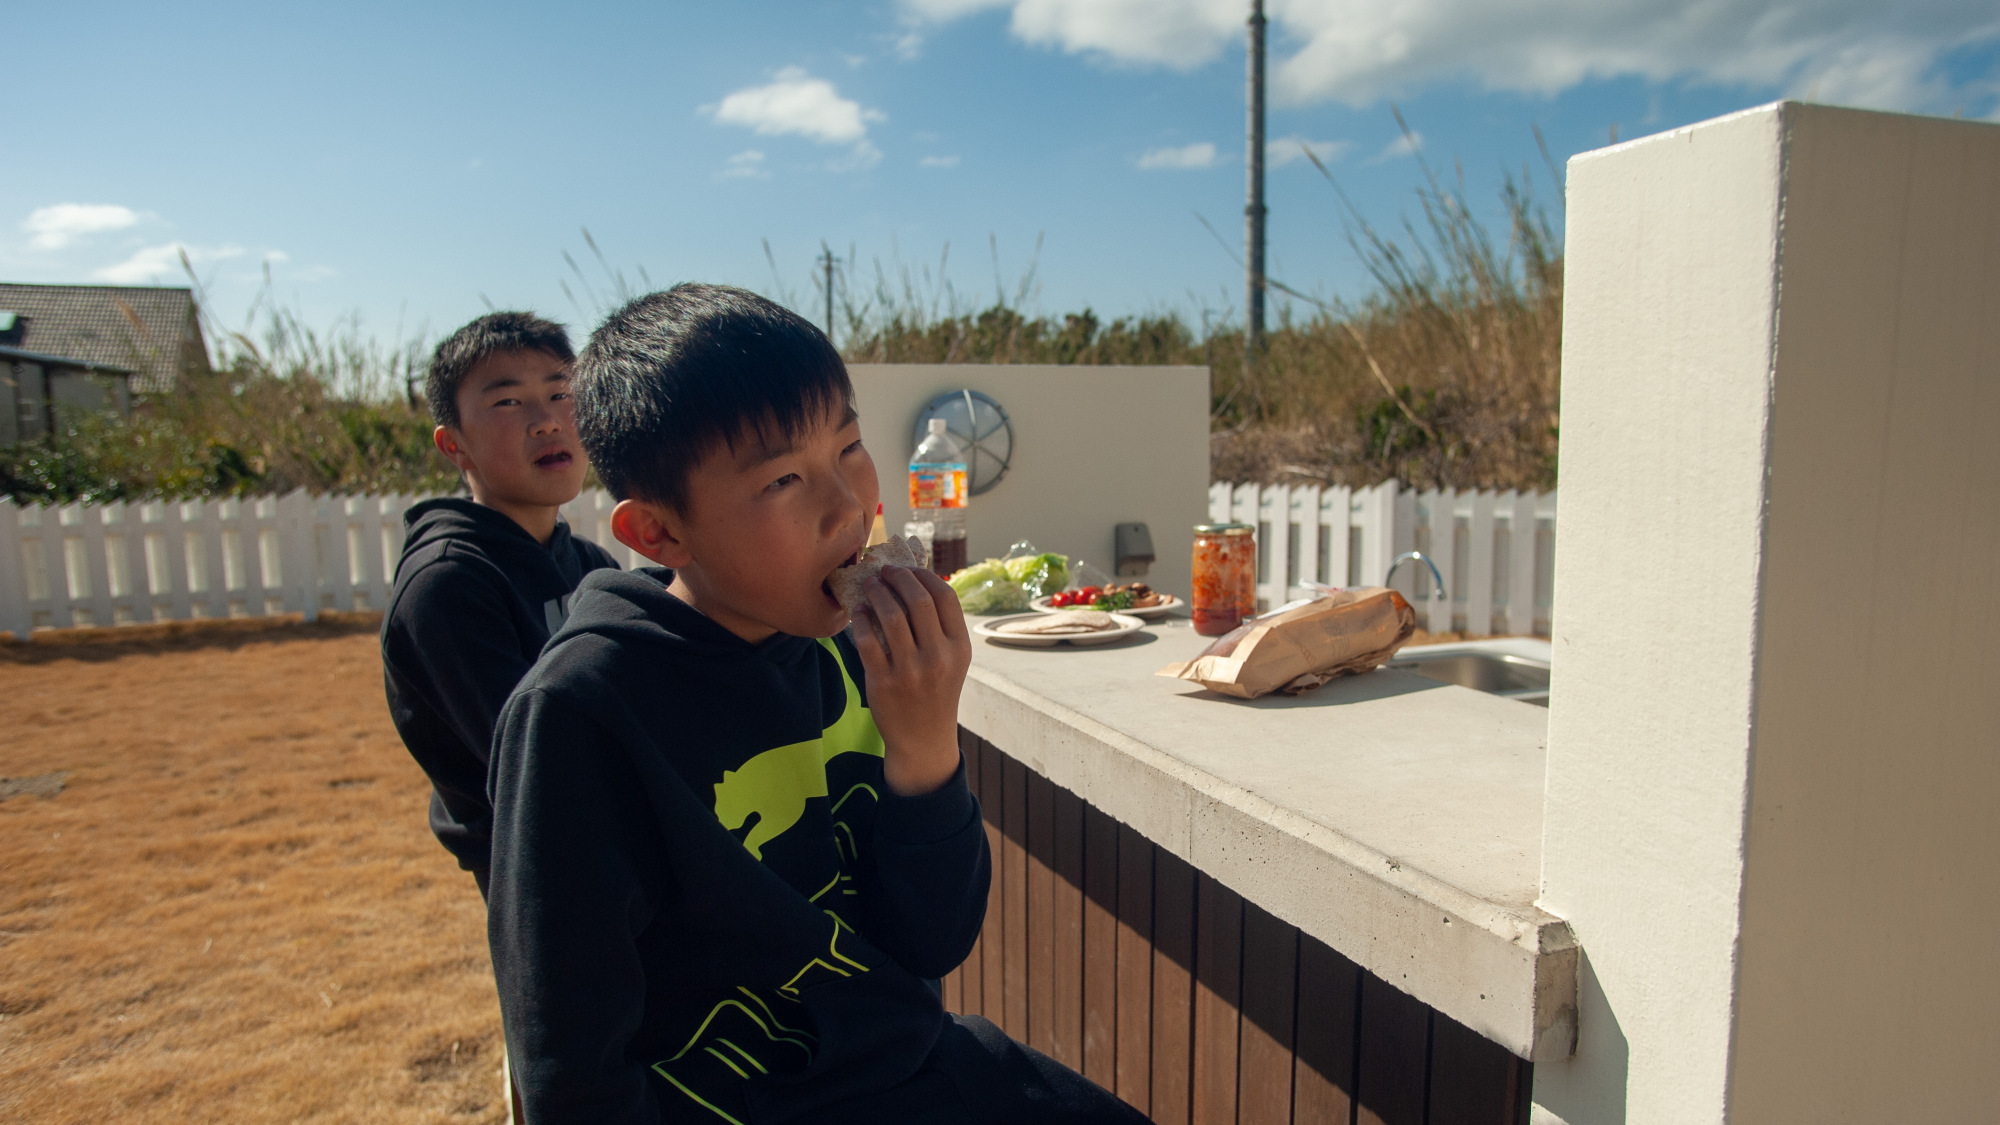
1395 1037
1014 899
1270 990
15 616
1474 1081
1100 947
1443 545
1041 913
1217 992
1067 978
1274 520
992 942
1323 1076
1336 507
55 564
96 573
1479 567
1134 1055
1521 566
1305 542
951 990
968 973
1173 987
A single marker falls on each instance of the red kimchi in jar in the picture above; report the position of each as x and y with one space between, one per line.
1225 576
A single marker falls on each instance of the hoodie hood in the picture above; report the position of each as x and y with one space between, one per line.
432 522
475 599
634 607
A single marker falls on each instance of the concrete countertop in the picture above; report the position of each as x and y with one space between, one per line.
1396 819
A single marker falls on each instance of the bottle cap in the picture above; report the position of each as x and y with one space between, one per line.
937 425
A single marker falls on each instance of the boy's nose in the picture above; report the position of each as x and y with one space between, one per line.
843 509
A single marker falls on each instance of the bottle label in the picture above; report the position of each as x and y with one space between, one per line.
937 486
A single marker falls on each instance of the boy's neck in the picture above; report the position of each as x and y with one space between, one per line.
538 520
709 607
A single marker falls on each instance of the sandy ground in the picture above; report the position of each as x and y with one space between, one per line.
232 910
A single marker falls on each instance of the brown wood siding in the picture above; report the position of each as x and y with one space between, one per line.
1119 959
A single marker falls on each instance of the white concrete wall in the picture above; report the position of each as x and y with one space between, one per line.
1774 744
1093 447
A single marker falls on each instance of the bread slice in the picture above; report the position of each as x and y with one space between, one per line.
893 551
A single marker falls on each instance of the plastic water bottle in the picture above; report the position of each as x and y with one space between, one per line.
937 496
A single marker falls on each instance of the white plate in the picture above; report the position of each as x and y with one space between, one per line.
1168 602
1123 625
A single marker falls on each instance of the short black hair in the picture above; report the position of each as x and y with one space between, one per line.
489 335
674 375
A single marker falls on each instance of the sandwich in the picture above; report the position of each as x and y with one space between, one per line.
896 550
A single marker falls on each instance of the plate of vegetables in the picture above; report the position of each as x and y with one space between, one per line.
1134 598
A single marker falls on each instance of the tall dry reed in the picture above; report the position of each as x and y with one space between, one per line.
1444 375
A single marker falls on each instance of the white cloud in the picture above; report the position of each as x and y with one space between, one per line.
1360 51
1409 144
862 156
941 10
1176 33
798 104
1285 150
158 262
938 162
748 165
1201 154
54 227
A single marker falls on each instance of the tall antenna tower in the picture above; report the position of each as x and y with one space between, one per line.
827 261
1253 209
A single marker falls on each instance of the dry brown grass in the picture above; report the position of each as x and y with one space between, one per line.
1445 375
233 911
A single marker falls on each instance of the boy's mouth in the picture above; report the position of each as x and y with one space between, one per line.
826 585
555 459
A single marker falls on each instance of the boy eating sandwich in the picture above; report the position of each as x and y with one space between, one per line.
734 847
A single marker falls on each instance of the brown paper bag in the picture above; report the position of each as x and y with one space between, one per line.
1300 649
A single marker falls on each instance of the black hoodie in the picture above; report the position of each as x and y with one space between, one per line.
706 906
475 599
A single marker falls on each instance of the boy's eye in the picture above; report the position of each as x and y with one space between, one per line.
558 396
508 402
855 446
781 482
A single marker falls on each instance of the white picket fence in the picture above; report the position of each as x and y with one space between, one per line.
116 564
1495 550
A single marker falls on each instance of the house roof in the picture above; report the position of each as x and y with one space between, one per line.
46 360
149 330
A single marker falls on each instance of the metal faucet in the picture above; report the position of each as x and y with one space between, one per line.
1437 580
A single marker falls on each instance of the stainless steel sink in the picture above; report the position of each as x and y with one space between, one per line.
1508 675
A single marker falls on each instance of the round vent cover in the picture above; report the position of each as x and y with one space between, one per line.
978 423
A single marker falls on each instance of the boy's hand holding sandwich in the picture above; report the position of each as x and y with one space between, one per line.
914 644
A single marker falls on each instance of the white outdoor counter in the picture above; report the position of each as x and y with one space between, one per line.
1394 818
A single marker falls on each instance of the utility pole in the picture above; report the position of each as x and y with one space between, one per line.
826 261
1253 210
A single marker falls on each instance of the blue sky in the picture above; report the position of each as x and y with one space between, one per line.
410 163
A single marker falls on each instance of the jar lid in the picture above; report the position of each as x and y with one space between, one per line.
1224 529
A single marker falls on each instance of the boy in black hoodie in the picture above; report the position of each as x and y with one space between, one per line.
483 582
733 844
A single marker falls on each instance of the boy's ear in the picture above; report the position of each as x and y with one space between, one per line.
447 441
652 530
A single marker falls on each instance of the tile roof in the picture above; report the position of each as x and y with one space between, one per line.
150 330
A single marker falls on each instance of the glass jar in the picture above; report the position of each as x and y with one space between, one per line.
1225 576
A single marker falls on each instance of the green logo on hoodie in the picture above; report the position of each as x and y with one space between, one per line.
775 785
